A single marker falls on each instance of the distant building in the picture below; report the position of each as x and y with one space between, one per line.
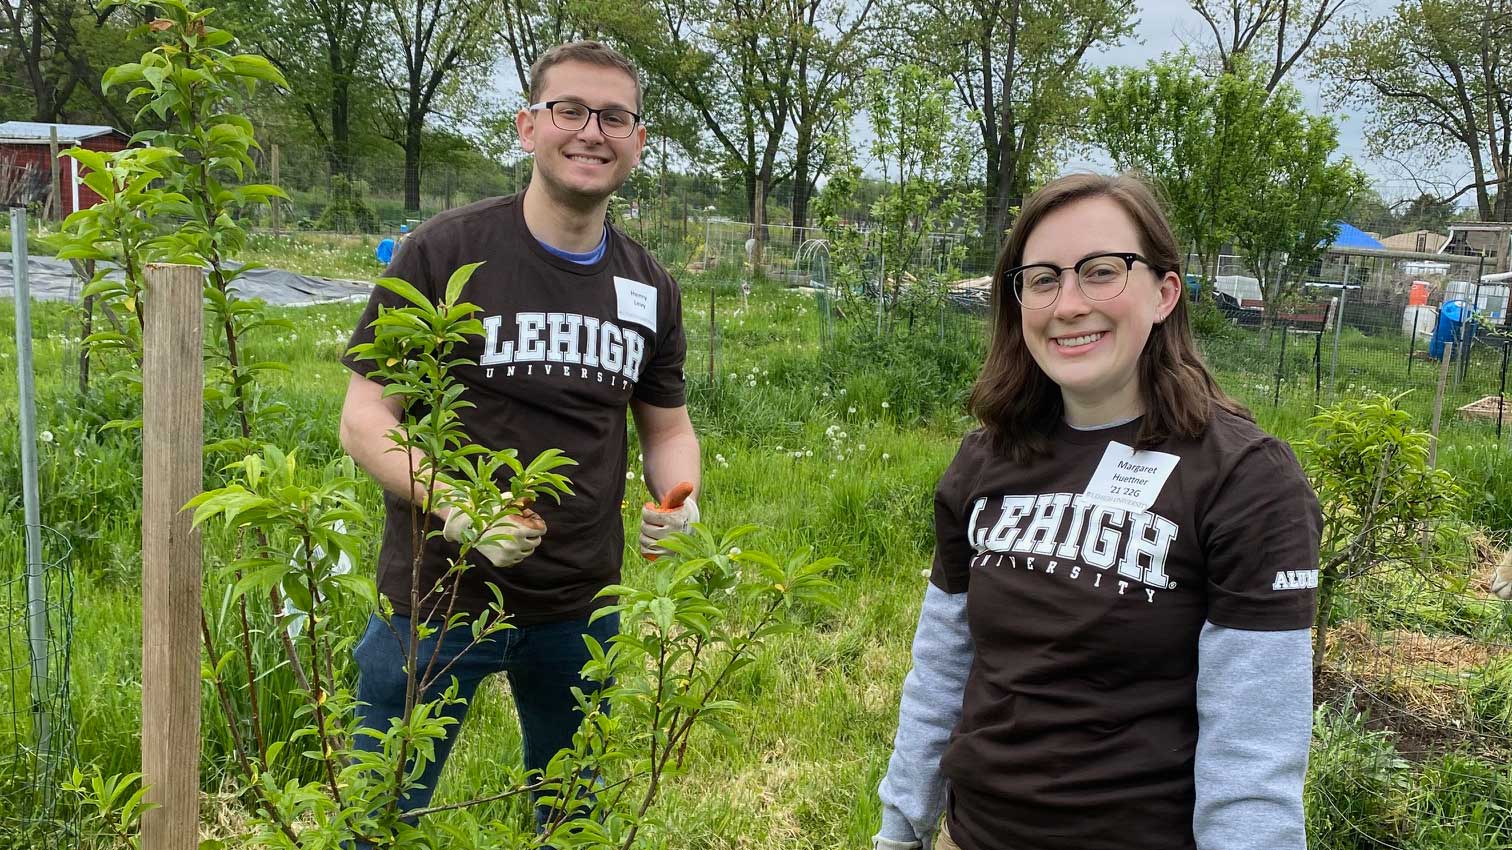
1489 239
1420 241
24 155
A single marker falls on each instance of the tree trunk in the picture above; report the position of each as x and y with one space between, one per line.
412 162
341 122
1327 587
1002 190
749 177
801 188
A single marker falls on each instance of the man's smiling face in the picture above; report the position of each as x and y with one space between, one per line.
582 167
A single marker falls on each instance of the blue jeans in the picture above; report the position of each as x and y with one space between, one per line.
542 662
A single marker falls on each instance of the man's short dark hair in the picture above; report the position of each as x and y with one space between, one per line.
589 52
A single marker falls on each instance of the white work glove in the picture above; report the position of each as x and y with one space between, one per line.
506 541
880 843
656 525
1501 578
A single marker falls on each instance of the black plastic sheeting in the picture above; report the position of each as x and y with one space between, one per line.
52 279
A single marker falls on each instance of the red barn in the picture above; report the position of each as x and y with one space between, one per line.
24 155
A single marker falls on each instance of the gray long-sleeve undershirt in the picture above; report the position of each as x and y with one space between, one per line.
913 791
1254 708
1254 720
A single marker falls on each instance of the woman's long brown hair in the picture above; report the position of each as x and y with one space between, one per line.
1017 402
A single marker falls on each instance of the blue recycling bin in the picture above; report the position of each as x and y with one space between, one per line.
1451 316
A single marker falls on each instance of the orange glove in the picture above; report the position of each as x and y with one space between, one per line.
676 513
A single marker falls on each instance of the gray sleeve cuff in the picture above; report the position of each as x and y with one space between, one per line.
1254 712
913 791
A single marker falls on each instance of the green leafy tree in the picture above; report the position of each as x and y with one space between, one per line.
925 158
1168 121
1369 211
1378 492
1300 195
53 51
1019 67
1234 161
760 76
1428 212
836 202
332 48
1435 78
438 53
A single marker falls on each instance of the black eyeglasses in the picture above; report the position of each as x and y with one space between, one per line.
1101 277
572 116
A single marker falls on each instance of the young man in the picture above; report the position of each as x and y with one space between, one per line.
582 323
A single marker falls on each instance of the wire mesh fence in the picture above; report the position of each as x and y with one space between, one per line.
36 735
1413 743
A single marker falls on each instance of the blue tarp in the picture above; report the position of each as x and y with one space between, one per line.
1353 237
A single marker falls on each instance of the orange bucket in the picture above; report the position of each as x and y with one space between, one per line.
1418 296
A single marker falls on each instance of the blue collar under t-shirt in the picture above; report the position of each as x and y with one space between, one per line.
586 258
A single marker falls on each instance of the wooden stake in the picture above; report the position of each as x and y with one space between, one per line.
55 201
172 460
1438 403
1433 439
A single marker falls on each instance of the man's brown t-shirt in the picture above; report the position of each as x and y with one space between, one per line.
566 347
1089 575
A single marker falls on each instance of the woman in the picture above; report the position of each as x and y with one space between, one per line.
1113 650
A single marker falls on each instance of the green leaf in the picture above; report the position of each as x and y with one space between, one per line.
256 67
663 613
127 73
261 580
459 279
406 291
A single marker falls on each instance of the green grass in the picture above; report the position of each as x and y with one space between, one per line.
836 449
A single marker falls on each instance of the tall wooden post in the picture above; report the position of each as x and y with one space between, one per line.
172 459
277 203
55 201
1433 438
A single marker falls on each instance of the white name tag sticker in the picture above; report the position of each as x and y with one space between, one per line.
1130 479
637 302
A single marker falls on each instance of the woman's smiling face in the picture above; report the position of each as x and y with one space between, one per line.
1091 349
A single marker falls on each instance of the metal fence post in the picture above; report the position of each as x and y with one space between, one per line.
1501 393
1333 366
36 588
1412 340
1280 366
1317 365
